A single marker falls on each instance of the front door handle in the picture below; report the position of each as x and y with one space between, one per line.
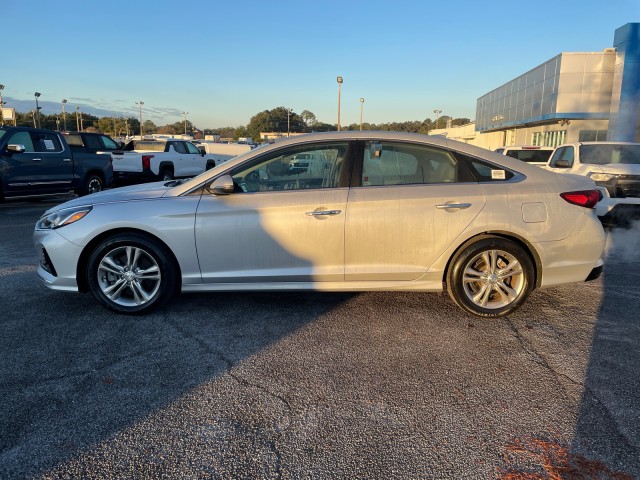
447 206
36 159
321 213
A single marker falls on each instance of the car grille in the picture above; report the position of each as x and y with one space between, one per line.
628 186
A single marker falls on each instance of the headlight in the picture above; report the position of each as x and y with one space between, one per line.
61 218
602 177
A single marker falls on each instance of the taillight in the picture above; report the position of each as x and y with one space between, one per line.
583 198
146 162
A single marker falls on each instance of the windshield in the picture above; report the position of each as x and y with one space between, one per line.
2 132
607 153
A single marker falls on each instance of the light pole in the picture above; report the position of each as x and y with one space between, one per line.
64 115
339 79
140 103
361 108
1 106
437 112
185 121
77 119
288 122
37 94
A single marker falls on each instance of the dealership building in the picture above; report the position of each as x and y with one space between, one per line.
585 96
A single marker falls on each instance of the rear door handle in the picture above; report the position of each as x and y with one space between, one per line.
66 160
321 213
36 159
447 206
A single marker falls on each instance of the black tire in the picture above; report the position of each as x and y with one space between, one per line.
132 274
92 183
490 276
210 165
166 175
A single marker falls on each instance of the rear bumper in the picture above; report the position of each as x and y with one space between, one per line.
131 178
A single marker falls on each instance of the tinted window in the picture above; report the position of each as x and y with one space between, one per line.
562 153
92 141
530 155
47 142
179 147
192 148
73 140
22 138
388 163
322 167
108 143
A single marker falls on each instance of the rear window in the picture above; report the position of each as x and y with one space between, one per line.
530 155
146 146
73 140
604 154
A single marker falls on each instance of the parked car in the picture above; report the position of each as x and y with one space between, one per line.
615 167
159 159
393 211
533 154
37 162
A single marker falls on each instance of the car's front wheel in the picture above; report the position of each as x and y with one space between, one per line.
131 274
490 276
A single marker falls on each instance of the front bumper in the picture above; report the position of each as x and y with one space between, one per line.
617 212
58 259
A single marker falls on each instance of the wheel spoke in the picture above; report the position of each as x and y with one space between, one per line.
114 291
139 295
471 275
514 268
508 293
107 264
482 296
152 273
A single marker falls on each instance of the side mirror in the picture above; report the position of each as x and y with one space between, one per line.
120 146
17 148
562 164
222 185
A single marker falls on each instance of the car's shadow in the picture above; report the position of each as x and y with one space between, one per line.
74 374
608 425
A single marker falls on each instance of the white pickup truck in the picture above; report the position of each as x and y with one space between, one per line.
614 166
159 159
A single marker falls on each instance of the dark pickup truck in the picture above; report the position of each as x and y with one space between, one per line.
36 162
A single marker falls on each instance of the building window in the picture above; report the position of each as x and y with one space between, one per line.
592 135
549 139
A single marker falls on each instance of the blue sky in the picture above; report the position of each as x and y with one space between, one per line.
223 62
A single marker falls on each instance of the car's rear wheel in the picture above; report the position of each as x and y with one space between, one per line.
490 276
167 175
92 184
132 274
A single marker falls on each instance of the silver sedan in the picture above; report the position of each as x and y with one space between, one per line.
364 211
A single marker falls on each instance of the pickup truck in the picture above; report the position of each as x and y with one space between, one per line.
159 159
614 167
37 162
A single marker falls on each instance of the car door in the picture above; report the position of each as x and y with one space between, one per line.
196 160
281 224
44 167
409 202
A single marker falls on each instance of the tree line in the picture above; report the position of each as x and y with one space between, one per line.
279 119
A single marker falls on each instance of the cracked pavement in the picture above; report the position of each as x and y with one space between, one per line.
310 385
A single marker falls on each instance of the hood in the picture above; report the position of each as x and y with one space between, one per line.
144 191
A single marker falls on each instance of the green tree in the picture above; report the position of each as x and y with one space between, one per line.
149 127
279 119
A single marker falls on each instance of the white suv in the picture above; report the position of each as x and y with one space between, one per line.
528 153
614 166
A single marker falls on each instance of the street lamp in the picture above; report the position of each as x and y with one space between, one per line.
361 108
77 119
37 94
1 105
437 112
185 121
140 103
339 79
288 122
64 115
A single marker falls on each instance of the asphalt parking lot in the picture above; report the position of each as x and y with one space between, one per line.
306 385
